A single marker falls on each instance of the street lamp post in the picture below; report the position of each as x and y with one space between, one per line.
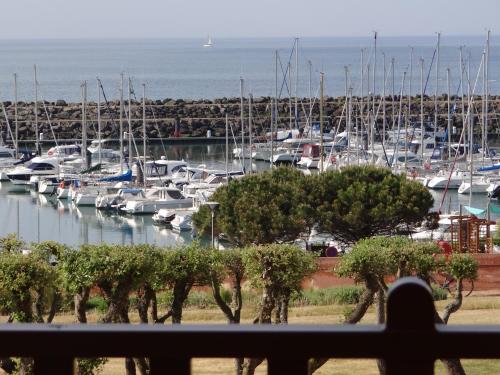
212 206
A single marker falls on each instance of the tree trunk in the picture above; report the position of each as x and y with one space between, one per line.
366 300
265 316
381 320
81 299
284 309
232 315
56 299
454 305
453 366
142 365
118 305
181 292
144 298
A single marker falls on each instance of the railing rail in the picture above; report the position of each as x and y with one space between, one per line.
409 343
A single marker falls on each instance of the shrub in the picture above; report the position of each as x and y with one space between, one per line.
439 294
97 303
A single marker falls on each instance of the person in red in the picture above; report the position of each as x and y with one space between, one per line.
445 247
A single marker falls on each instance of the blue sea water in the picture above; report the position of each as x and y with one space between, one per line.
182 68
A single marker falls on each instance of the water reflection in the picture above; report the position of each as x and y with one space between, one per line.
36 217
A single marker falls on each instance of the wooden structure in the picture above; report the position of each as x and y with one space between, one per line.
469 234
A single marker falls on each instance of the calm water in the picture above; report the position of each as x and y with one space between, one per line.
182 68
37 217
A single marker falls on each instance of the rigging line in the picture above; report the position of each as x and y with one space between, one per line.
470 105
107 105
8 125
284 82
235 144
158 129
430 70
47 114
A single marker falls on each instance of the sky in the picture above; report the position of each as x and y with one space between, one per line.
31 19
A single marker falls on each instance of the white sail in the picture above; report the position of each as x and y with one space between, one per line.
209 42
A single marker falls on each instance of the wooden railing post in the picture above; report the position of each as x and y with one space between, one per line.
410 313
54 366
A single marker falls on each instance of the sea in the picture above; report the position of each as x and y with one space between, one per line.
183 68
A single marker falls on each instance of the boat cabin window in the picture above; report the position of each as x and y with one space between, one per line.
177 168
156 170
5 154
175 194
41 167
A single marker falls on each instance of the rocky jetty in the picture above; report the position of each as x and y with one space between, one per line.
193 118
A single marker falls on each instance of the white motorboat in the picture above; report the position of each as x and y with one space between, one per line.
160 170
112 201
164 216
213 181
480 185
169 197
310 156
39 167
440 181
65 152
183 221
289 152
48 185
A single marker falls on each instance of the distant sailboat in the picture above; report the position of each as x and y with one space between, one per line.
209 43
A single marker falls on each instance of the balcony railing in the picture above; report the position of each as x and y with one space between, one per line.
409 343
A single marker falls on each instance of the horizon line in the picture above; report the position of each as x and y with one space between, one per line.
379 36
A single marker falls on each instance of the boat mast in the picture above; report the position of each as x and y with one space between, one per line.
368 105
296 82
310 97
290 108
449 111
84 122
242 117
436 92
144 134
374 66
471 132
37 144
227 148
321 82
487 84
422 128
485 117
462 88
275 104
400 116
384 111
130 151
250 99
349 128
362 88
99 119
393 97
121 123
15 116
410 78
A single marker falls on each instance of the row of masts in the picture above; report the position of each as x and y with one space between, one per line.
368 108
